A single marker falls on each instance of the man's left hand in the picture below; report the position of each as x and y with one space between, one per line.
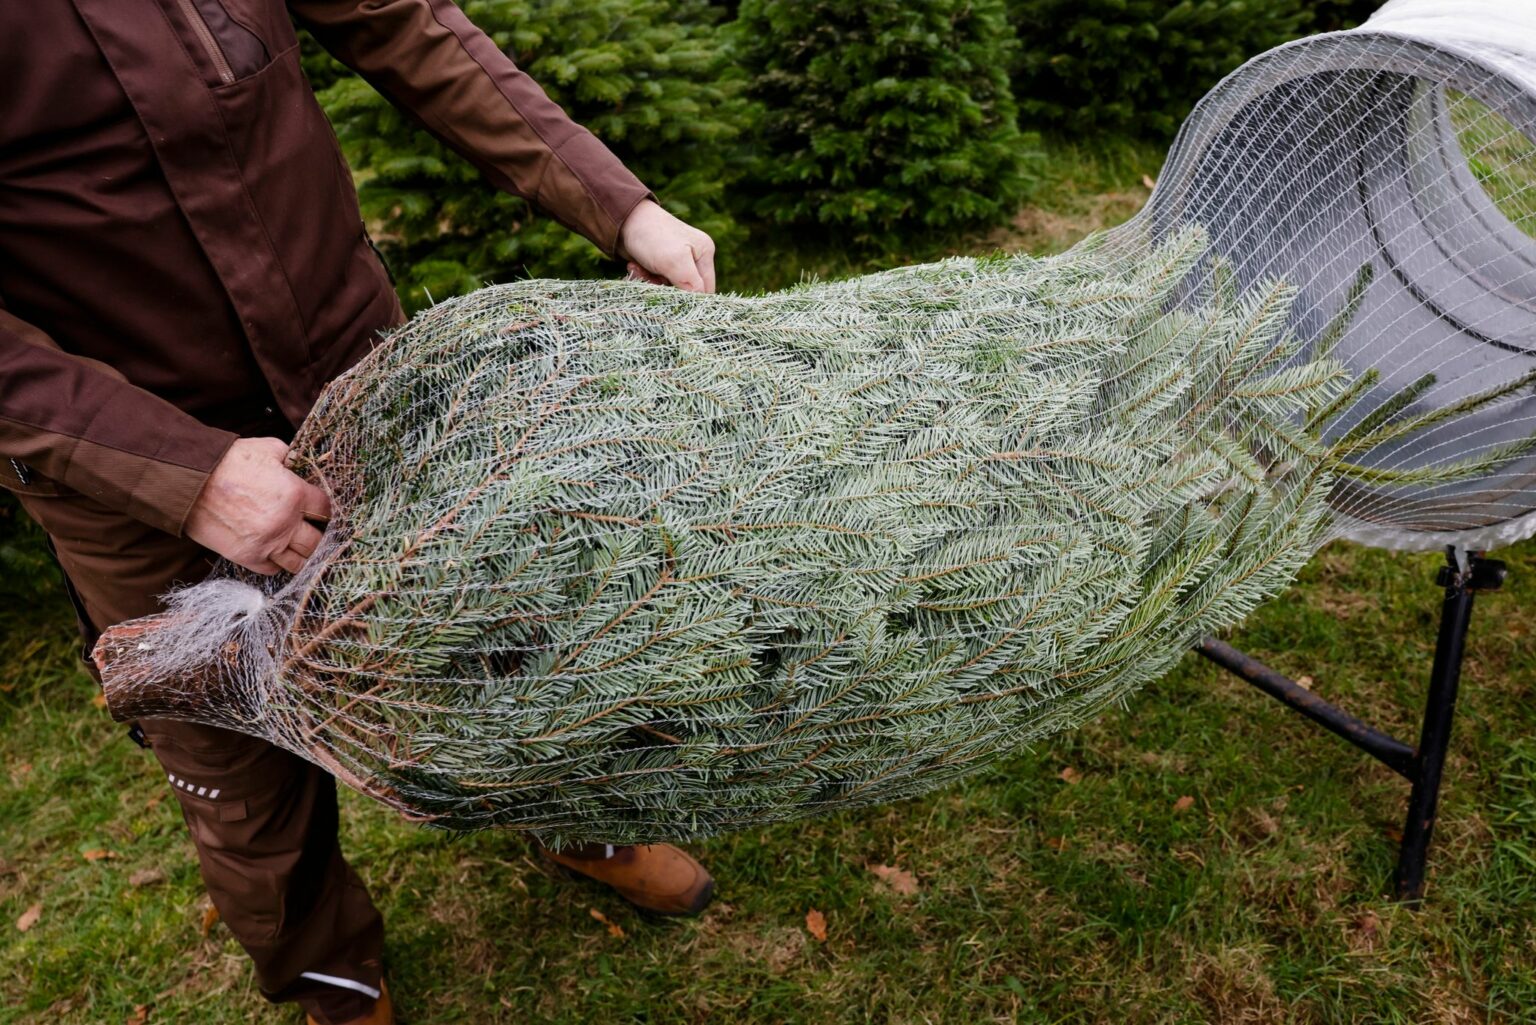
666 251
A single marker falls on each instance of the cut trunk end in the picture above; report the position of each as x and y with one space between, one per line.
143 677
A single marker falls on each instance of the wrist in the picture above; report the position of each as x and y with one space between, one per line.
626 223
180 495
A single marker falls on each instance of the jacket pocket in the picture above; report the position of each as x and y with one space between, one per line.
19 478
300 188
232 48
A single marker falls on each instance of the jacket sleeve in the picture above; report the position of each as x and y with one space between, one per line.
79 423
428 59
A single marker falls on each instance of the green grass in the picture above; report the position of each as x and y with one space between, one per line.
1038 900
1499 156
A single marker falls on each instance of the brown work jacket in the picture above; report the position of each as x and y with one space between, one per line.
181 255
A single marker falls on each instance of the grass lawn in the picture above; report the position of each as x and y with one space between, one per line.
1199 856
1109 898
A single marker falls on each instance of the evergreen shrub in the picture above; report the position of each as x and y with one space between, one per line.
648 78
875 120
25 566
1138 66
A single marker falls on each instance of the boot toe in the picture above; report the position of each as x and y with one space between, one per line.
658 878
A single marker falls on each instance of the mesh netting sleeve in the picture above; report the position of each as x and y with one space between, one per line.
620 563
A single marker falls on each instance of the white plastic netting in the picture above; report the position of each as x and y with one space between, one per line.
1406 144
622 563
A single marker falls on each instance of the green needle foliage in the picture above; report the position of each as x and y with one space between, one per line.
625 563
651 79
25 568
876 120
1138 66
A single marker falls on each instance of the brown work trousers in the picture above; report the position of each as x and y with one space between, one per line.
263 820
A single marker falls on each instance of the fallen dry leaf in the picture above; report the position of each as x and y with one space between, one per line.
146 877
614 928
1304 682
29 917
98 854
1070 775
100 700
1366 928
897 880
816 925
1149 181
1184 803
1057 843
139 1016
210 916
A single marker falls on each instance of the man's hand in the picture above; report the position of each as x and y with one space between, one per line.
665 251
255 511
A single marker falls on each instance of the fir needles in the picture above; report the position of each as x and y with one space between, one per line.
622 563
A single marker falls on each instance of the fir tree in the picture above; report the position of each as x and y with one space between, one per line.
874 120
619 562
649 78
1140 65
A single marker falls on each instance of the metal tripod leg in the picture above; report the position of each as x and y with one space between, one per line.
1462 577
1464 574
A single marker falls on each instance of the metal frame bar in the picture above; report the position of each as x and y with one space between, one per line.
1463 576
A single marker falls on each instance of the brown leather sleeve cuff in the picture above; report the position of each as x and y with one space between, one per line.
80 424
151 489
159 488
165 492
505 124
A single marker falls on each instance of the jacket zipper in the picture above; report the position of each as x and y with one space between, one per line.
204 35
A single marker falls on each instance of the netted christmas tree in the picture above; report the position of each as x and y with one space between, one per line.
612 561
621 563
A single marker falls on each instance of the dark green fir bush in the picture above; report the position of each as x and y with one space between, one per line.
25 566
649 78
1139 66
880 119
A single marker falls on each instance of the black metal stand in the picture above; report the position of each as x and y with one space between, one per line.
1464 574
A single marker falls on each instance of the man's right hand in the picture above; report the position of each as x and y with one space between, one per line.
256 512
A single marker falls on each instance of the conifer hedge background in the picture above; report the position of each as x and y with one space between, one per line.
860 124
651 78
875 120
25 566
1138 66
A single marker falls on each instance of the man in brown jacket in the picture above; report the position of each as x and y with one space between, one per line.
182 268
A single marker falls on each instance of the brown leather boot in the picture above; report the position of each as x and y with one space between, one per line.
653 877
383 1011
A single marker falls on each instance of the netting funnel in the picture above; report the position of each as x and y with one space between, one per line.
621 563
1406 145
